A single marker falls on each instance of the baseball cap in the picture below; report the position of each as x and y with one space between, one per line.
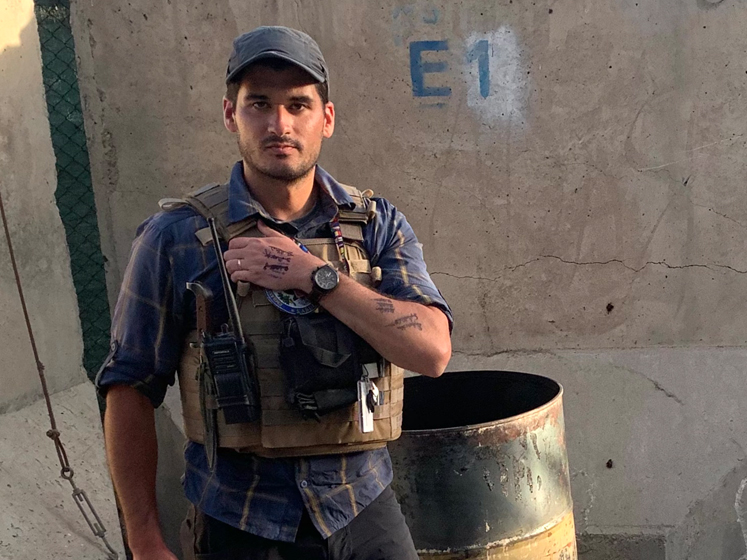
284 43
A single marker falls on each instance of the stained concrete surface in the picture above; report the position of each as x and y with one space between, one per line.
620 547
39 518
585 218
712 530
27 184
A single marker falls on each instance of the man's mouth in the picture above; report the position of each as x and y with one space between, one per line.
280 147
283 148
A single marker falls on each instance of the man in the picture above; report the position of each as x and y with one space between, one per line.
306 480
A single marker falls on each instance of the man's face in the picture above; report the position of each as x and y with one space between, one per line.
280 121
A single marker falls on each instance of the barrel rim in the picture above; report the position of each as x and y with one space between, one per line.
471 428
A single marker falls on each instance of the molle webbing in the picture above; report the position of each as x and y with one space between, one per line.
283 431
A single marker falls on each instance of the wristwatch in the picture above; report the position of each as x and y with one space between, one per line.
323 280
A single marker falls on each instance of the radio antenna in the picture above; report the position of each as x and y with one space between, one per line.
233 308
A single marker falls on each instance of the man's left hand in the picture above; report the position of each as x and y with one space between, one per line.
274 261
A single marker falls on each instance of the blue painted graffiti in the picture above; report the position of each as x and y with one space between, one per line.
406 10
432 17
406 18
480 53
419 68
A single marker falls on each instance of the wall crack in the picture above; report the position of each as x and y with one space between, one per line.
669 394
724 216
710 267
649 263
510 351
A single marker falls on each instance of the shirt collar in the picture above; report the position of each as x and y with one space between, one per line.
242 205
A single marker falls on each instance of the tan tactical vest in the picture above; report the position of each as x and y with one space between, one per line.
282 430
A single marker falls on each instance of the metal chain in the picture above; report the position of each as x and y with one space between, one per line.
66 472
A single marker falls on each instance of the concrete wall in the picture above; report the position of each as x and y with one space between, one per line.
39 517
27 184
574 172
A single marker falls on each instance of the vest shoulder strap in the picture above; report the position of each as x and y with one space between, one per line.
365 208
211 201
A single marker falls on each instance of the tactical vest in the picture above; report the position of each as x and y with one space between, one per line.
282 430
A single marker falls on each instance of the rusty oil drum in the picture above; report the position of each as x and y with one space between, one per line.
481 470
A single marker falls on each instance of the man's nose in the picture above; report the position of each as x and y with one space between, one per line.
280 121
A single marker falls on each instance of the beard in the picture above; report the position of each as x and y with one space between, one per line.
285 169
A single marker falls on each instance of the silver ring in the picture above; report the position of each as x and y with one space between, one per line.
238 261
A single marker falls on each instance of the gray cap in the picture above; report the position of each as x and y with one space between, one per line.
277 42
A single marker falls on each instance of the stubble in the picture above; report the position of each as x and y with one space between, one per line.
279 169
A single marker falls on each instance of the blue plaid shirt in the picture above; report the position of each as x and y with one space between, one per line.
155 311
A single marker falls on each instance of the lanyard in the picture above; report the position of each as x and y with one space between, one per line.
337 232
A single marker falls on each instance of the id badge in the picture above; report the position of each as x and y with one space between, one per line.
365 411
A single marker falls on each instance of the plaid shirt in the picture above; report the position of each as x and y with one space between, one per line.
155 311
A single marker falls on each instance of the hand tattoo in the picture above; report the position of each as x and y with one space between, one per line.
384 305
278 261
275 254
407 322
275 270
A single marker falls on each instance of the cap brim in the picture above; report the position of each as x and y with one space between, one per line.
271 54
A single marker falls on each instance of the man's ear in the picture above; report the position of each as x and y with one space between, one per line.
329 119
229 115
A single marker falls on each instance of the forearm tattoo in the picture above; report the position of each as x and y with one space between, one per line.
407 322
278 261
384 305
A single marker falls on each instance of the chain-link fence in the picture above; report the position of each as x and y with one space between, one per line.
74 191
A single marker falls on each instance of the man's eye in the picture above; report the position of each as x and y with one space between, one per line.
260 105
296 107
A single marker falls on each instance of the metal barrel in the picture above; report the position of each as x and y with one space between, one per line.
481 470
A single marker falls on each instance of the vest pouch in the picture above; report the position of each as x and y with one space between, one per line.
321 359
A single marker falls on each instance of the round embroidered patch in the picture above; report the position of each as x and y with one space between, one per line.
290 302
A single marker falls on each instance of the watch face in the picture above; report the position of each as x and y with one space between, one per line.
326 278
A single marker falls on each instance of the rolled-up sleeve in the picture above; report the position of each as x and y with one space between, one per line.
394 248
145 341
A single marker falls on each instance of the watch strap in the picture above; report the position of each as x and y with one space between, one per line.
317 292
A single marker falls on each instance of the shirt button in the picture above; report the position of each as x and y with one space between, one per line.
304 484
